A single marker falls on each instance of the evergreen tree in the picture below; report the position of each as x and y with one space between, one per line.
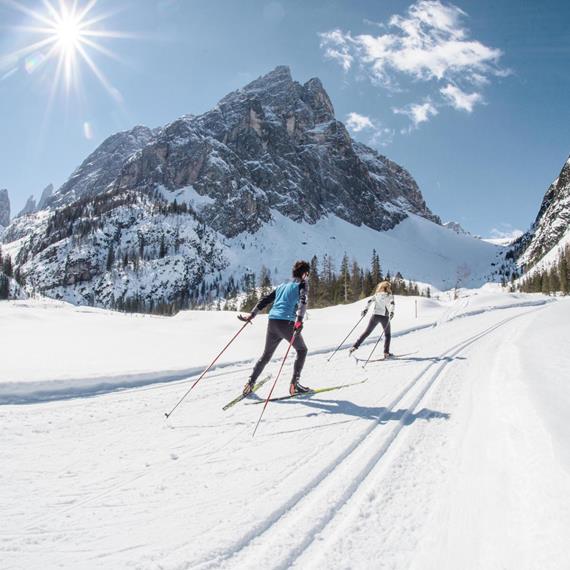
345 282
110 258
7 267
314 282
4 287
375 268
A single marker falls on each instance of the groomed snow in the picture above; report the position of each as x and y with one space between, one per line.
454 456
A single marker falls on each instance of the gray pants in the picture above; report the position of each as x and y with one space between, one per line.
372 324
277 331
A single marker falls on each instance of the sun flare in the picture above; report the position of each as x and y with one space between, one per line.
64 33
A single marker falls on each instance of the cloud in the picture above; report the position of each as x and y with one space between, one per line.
507 232
429 46
337 48
417 112
459 99
357 123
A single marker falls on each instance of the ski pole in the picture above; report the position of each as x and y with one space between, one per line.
168 414
274 382
344 340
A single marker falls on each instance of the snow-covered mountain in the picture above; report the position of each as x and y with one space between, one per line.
456 227
267 176
551 225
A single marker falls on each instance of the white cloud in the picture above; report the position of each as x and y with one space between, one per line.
507 233
459 99
429 45
418 112
357 123
337 48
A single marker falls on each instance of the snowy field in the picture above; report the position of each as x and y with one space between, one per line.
454 456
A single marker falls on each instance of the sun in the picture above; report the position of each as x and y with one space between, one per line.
65 33
68 33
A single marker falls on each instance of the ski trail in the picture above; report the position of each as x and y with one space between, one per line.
281 538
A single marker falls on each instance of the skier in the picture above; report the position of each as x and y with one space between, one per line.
285 319
383 301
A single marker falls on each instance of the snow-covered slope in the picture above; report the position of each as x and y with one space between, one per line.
454 456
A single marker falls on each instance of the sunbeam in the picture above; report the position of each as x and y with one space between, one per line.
65 32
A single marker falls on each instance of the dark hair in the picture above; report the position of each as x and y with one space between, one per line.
299 268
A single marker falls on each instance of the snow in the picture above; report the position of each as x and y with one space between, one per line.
421 250
454 456
186 195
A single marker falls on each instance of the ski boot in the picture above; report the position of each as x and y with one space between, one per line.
248 388
352 350
388 355
295 388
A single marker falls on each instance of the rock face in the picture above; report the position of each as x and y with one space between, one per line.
4 209
552 222
29 208
101 167
275 145
158 214
45 197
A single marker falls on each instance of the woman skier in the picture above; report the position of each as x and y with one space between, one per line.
285 319
383 313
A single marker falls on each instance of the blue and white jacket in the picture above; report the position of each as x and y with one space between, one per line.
289 301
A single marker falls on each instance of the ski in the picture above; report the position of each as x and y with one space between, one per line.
241 396
312 392
393 357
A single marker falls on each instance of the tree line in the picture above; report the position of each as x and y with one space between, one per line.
329 286
549 280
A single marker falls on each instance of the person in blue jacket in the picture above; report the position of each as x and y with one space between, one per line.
285 319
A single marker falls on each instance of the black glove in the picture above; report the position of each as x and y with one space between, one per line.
363 314
246 318
391 315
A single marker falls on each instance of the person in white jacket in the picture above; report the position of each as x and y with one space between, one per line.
383 303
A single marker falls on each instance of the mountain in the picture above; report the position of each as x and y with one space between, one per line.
4 209
182 213
45 197
29 207
456 227
551 225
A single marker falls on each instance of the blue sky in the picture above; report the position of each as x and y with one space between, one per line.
470 96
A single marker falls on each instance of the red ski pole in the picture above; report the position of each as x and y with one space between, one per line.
274 382
168 414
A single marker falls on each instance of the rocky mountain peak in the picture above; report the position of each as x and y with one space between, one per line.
29 207
551 224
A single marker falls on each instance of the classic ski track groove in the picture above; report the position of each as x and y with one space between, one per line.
301 506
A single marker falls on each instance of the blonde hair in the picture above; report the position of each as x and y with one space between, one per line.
384 287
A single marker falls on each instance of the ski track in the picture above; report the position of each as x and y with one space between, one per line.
279 540
289 532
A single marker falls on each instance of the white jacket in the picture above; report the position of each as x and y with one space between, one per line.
383 304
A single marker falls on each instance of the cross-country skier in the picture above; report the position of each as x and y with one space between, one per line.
383 302
285 318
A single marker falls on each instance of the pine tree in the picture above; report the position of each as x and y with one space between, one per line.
110 258
345 283
314 282
375 268
7 267
355 281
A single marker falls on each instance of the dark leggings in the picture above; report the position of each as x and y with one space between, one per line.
277 331
372 324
